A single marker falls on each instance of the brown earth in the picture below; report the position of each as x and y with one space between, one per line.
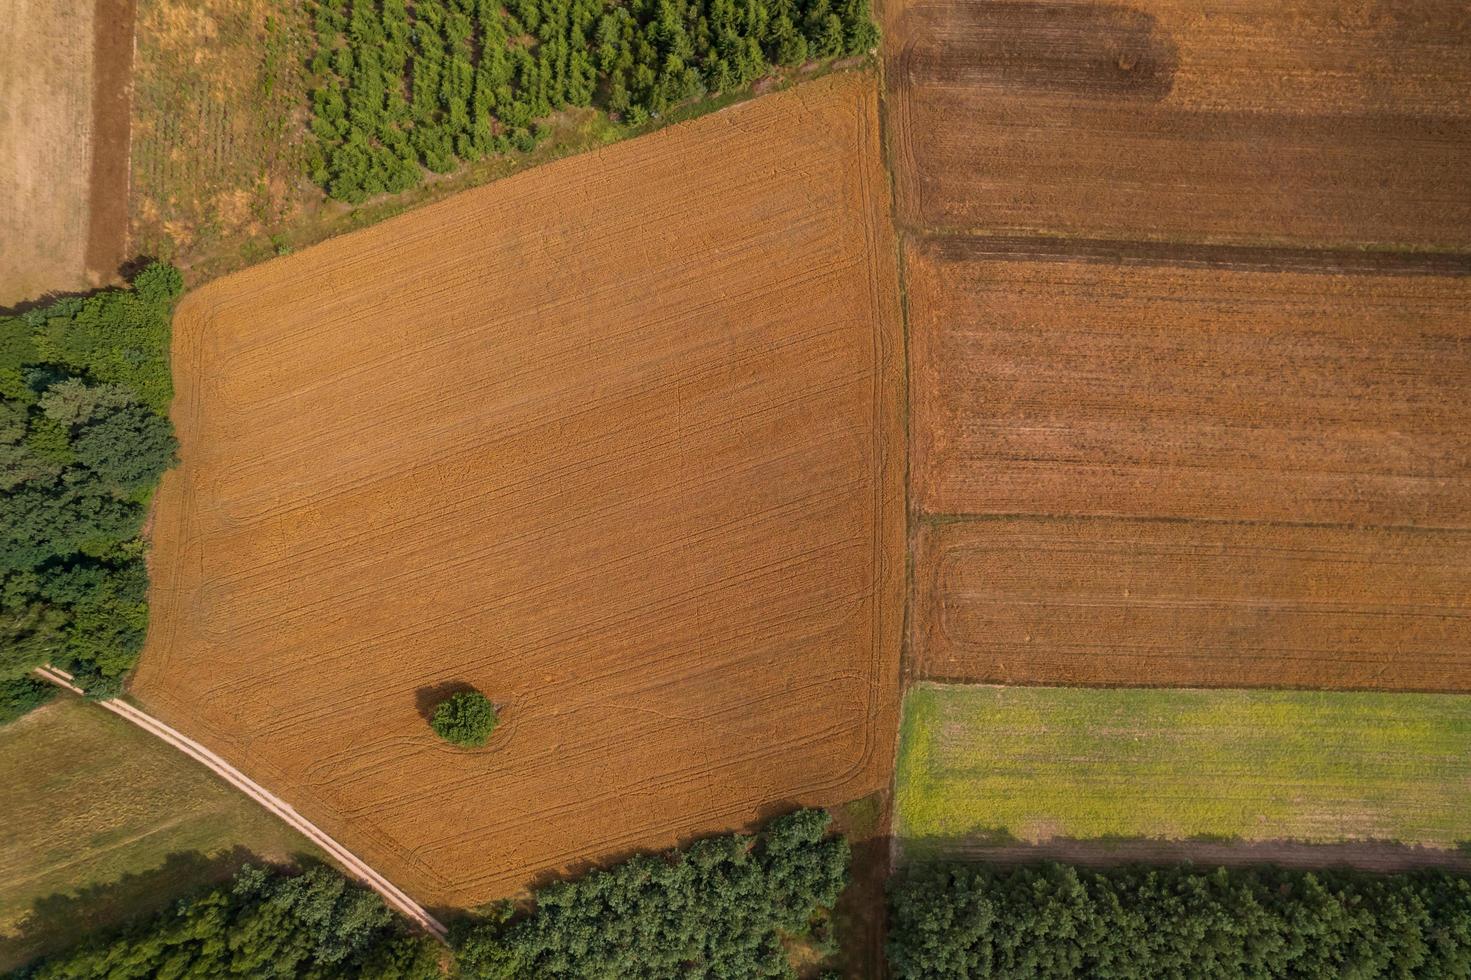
1167 603
1303 121
615 441
63 146
1381 856
1189 383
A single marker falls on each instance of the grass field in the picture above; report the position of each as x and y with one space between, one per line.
101 822
1032 764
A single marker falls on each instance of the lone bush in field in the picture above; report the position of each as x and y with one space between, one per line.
466 719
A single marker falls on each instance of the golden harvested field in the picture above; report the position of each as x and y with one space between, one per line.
1080 601
615 441
1301 122
1193 384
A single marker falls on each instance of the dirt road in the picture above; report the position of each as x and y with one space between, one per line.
349 861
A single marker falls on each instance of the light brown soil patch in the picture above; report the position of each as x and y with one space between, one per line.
1295 122
1157 603
615 441
1213 387
46 79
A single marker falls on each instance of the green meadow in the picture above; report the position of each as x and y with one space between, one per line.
1030 764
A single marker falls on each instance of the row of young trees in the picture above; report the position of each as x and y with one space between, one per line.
973 921
84 438
719 909
459 79
311 926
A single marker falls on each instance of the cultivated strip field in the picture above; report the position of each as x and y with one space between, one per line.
615 441
1197 383
1298 122
982 765
103 823
1085 601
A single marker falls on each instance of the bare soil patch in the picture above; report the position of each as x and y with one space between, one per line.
615 441
1132 381
1299 122
1163 603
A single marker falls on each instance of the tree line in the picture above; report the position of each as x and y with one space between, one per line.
313 926
974 921
84 438
718 909
721 908
453 80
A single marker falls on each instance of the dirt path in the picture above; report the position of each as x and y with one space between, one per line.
1380 856
349 861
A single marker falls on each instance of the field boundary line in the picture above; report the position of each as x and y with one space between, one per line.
360 869
1307 259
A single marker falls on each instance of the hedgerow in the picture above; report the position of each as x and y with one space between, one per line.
84 438
455 80
313 926
718 909
973 921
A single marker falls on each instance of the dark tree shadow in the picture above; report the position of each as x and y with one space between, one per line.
426 699
56 923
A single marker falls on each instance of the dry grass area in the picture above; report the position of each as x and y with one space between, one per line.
1305 122
103 823
219 115
1188 385
615 441
46 78
1070 601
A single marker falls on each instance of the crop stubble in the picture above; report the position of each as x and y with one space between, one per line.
1304 122
615 441
1106 601
1189 384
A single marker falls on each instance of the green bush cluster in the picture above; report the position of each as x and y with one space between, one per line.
970 921
455 80
718 909
19 695
466 719
84 438
312 926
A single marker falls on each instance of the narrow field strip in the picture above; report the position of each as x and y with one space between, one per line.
1010 766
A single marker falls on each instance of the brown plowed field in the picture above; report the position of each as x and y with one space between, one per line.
1114 602
615 441
1206 385
1303 121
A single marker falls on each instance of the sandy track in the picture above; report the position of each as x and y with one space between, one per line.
1166 603
615 441
391 894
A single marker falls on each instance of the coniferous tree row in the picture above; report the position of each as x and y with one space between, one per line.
84 437
312 926
450 80
719 909
954 921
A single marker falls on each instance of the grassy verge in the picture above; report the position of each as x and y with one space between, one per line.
104 823
1028 764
